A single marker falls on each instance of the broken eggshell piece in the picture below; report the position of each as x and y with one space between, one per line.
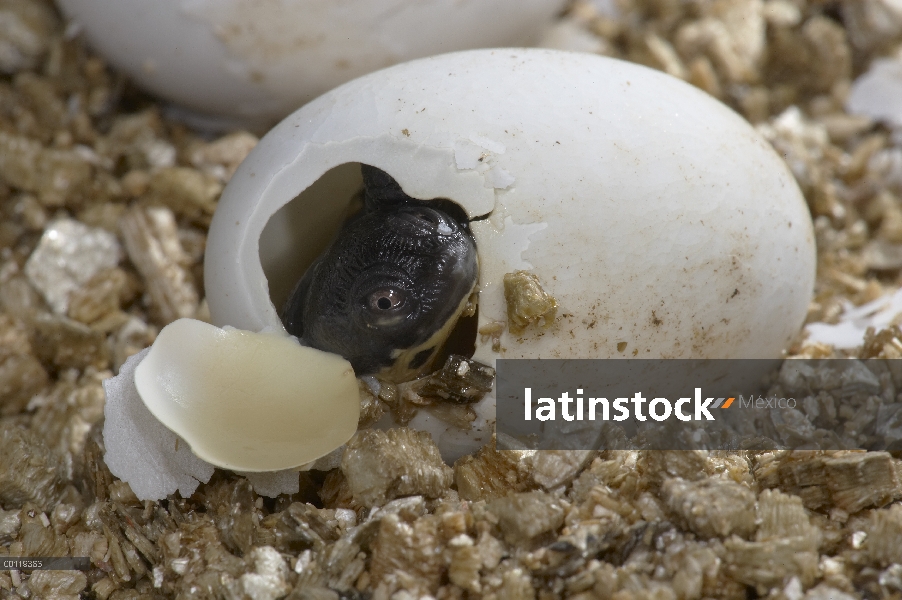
660 221
248 401
151 458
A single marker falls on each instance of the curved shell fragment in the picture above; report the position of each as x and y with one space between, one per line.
248 401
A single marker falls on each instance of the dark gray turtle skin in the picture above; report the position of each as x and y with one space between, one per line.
389 289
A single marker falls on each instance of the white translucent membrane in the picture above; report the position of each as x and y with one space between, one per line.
139 449
849 331
248 401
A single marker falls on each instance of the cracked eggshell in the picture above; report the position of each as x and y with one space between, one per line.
660 221
257 61
248 401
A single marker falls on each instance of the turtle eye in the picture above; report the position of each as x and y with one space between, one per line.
385 299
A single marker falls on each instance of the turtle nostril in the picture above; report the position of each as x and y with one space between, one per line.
434 220
428 218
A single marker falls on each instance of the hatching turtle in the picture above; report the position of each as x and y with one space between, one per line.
388 291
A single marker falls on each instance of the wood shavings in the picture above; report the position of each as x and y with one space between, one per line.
527 302
711 507
153 245
381 466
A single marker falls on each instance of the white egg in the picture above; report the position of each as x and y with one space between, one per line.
660 221
255 62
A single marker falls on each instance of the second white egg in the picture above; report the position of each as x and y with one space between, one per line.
252 63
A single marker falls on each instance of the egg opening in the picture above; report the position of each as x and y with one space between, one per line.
367 229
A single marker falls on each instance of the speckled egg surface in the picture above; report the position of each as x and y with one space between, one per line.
662 224
254 62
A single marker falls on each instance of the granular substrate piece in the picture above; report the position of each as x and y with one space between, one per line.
382 465
29 470
68 255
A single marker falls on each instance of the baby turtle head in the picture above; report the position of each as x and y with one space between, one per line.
381 191
389 290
